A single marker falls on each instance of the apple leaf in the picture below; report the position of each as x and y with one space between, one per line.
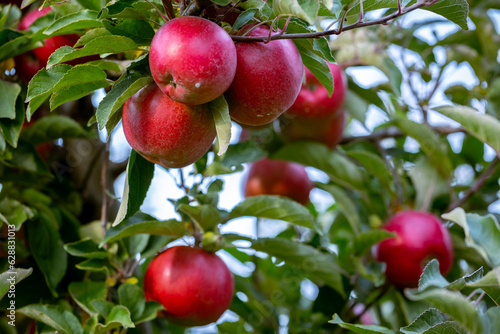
50 128
14 212
316 264
375 165
132 226
235 156
140 172
481 232
12 276
41 87
139 31
220 111
85 248
484 127
431 277
9 92
151 310
132 297
427 181
85 292
306 10
118 95
108 44
274 207
53 316
345 204
317 65
362 329
490 284
75 92
93 265
452 303
366 239
493 316
430 143
47 249
205 216
119 316
11 128
244 18
83 19
90 4
13 43
424 321
340 169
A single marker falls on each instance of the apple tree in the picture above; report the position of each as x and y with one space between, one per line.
367 131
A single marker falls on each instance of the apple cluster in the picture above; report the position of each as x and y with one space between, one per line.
194 61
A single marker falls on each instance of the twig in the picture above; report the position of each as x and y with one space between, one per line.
394 172
337 31
228 11
394 132
159 11
480 181
169 9
104 187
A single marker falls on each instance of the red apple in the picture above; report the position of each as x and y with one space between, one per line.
192 60
326 130
194 286
421 236
278 177
267 81
313 99
166 132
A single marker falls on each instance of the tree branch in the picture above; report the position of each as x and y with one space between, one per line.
480 181
328 32
394 132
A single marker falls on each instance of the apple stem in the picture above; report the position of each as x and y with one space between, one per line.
361 9
159 11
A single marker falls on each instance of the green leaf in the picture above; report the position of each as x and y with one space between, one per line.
375 165
453 304
75 92
274 207
119 316
236 155
493 315
366 239
428 183
133 226
118 95
139 31
304 9
431 277
481 233
205 216
100 45
11 128
430 143
316 64
132 297
53 316
50 128
15 213
490 284
363 329
42 86
340 169
85 248
424 321
317 265
11 277
93 265
150 312
220 111
83 19
484 127
13 43
346 205
84 293
140 172
244 18
47 250
9 92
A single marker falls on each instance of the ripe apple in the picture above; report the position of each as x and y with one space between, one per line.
313 100
278 177
267 81
29 63
166 132
194 286
327 130
192 60
421 236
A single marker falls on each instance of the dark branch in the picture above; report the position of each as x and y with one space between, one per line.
328 32
480 181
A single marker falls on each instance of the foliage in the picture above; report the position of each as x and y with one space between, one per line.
80 254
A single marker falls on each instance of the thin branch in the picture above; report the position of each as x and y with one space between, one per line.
394 172
227 12
480 181
104 187
169 9
337 31
159 11
394 132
